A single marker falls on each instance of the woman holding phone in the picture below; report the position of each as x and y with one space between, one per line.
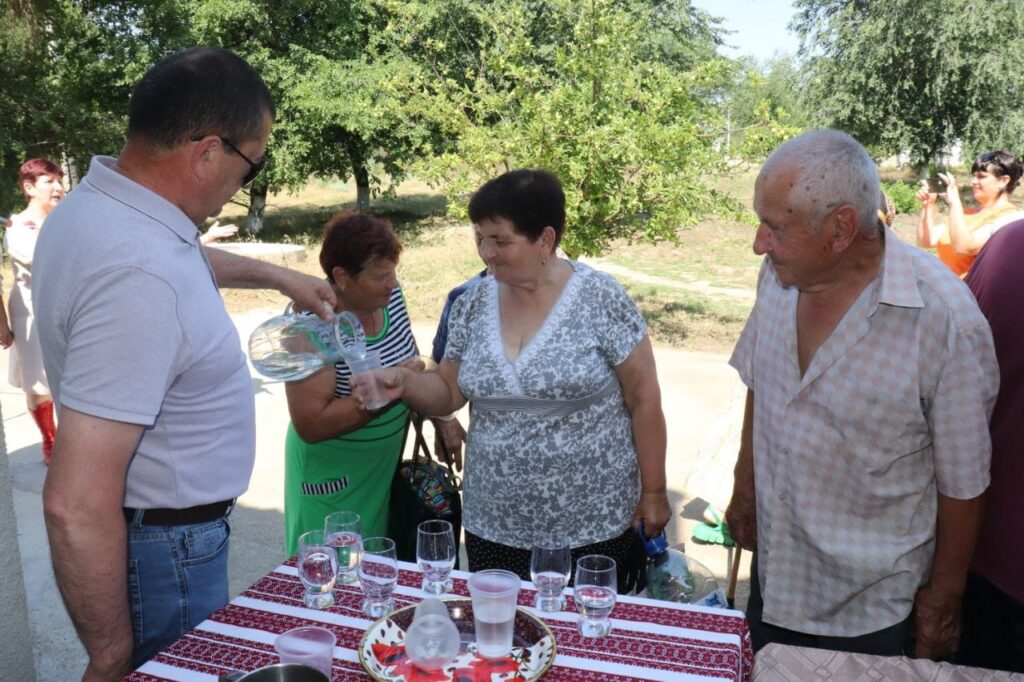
994 176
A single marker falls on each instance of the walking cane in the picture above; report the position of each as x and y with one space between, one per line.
730 595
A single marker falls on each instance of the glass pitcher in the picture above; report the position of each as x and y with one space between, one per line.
293 346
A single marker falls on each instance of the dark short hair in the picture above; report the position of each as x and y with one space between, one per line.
33 169
351 240
197 92
999 163
530 199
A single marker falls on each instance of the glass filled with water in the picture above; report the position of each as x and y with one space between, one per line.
435 555
594 593
318 569
550 563
378 575
495 594
343 531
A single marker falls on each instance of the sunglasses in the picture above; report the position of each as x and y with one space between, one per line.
254 167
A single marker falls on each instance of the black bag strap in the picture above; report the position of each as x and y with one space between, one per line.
421 453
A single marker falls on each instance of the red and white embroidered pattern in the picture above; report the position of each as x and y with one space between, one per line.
650 640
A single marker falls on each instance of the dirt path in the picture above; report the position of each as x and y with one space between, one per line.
699 286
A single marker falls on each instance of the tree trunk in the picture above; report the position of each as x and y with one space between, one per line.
257 203
362 188
361 174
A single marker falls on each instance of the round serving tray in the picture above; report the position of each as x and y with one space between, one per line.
382 649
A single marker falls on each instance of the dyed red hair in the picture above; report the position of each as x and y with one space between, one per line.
33 169
351 240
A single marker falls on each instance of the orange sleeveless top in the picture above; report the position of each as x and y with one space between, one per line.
960 263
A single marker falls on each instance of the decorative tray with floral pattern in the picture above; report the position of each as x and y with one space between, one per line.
382 650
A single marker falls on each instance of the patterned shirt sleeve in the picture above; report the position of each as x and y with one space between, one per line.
460 319
622 325
960 409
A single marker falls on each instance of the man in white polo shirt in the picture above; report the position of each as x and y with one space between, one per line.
156 436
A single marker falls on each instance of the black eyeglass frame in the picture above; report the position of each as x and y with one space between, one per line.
254 167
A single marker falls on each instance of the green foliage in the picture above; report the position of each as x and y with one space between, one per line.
764 106
576 88
915 74
903 196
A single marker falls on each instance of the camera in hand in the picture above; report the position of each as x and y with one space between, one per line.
936 185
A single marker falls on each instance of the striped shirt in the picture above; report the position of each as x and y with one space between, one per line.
395 342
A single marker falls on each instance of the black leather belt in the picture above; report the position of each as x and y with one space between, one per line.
180 517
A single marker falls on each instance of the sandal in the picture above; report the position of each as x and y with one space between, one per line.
712 517
705 534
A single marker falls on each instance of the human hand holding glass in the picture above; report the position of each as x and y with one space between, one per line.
378 575
318 569
550 564
594 593
435 555
343 531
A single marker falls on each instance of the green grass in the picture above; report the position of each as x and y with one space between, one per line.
690 320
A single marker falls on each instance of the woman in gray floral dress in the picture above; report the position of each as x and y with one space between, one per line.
566 435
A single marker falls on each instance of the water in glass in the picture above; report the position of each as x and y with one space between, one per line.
435 555
318 569
594 594
550 564
378 575
343 530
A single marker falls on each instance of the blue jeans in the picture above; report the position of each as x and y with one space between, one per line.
177 577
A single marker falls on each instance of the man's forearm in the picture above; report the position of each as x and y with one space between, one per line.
240 272
89 564
82 504
958 525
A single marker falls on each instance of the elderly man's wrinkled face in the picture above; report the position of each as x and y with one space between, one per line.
798 251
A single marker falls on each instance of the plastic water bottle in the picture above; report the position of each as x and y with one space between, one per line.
294 346
673 576
432 640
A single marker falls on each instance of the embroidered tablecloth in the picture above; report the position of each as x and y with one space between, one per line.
650 640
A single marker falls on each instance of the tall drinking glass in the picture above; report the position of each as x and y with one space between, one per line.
378 575
594 593
435 555
318 569
550 563
495 594
343 531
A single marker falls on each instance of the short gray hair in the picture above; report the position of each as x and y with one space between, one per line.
832 169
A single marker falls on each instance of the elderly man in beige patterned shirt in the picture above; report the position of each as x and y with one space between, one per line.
865 448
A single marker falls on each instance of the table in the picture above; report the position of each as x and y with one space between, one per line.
651 640
782 663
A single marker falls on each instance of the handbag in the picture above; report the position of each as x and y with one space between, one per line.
422 489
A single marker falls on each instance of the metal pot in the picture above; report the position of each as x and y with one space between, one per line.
280 672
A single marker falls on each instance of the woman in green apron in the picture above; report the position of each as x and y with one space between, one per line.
339 456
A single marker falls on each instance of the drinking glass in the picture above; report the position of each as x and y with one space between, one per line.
435 555
318 569
594 593
378 575
494 593
312 646
550 563
343 531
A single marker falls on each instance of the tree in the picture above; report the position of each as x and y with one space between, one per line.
764 104
912 74
584 90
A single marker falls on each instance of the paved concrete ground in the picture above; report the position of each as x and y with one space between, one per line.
702 400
